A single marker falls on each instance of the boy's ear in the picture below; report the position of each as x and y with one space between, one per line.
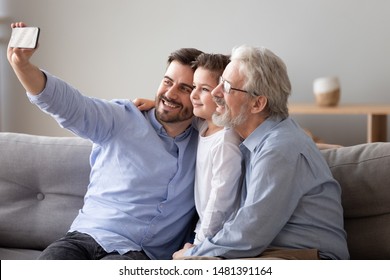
259 104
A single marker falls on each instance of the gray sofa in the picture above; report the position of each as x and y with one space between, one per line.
43 181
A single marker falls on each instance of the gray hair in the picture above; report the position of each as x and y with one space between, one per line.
266 75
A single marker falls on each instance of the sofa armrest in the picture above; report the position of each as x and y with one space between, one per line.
363 172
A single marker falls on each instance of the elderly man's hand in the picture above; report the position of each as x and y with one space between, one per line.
180 254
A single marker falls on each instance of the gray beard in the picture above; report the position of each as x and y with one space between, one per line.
225 120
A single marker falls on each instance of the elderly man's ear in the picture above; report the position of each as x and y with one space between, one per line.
259 104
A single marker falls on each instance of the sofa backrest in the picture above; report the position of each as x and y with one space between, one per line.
42 184
363 172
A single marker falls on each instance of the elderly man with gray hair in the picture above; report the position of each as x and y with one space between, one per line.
290 203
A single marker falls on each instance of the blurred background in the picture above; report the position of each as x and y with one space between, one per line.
118 49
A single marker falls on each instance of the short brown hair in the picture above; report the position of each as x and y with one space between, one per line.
212 62
185 56
215 63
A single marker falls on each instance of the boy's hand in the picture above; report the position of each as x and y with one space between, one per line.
144 104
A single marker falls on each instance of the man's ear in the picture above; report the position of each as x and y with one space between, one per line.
259 104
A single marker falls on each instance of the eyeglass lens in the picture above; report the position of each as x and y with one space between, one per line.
226 85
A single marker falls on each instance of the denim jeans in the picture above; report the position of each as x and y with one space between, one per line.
80 246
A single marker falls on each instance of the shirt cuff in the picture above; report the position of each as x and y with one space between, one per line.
188 253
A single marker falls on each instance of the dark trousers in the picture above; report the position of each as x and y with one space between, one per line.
81 246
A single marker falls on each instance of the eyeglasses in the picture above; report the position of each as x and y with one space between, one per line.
227 87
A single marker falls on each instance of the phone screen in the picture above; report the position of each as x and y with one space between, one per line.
24 37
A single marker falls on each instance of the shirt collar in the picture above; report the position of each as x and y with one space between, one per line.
151 115
257 136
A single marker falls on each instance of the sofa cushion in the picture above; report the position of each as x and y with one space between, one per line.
42 184
363 172
19 254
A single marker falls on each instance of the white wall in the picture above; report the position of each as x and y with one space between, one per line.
118 49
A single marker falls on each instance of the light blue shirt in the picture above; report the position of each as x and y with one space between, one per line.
289 199
140 195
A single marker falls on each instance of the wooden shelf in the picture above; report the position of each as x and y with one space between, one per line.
376 116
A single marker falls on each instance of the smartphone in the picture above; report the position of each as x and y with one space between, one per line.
24 37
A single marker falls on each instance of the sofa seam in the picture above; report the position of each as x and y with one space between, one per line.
358 162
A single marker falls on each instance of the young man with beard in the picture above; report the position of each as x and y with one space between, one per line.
290 203
142 163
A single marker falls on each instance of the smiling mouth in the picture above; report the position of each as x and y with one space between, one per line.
220 109
169 104
219 101
220 104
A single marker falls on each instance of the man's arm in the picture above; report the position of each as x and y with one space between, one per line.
87 117
30 76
